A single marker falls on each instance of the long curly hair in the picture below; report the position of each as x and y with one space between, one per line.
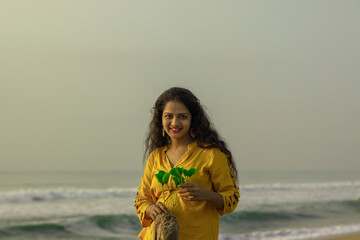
201 128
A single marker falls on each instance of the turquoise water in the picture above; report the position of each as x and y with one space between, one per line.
99 205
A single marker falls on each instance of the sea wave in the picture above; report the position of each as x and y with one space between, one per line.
260 216
128 226
120 226
51 194
287 212
29 195
300 186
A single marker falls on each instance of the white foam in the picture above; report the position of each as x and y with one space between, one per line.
255 194
29 195
299 186
251 195
296 234
54 209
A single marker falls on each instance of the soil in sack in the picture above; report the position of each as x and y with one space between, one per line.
166 227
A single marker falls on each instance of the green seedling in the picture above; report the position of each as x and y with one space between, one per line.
179 176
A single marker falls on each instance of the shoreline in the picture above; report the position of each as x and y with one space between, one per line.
354 236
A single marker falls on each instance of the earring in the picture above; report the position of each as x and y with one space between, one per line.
163 132
192 134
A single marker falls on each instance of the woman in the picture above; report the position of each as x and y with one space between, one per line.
181 136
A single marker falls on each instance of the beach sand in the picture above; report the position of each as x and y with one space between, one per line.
350 237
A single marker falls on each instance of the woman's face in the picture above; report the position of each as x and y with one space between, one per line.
176 120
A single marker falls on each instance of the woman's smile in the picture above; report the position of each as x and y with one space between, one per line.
175 130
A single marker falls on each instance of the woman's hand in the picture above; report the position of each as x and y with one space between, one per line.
155 209
193 192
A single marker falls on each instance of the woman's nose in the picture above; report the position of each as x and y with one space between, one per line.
175 121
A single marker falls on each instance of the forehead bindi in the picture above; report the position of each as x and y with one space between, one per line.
174 107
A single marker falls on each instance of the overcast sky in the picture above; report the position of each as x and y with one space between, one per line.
280 80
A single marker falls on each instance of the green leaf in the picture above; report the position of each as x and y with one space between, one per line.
182 179
191 172
185 172
159 176
175 172
181 170
176 180
165 178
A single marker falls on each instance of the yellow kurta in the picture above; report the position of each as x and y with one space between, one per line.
197 220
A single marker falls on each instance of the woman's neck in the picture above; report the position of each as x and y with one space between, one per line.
175 144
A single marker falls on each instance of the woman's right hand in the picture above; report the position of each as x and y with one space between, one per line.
155 209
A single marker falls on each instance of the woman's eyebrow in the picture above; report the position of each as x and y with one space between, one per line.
177 114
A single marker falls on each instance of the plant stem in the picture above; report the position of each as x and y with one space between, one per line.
162 186
177 198
169 193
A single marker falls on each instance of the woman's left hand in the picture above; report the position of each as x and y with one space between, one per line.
192 192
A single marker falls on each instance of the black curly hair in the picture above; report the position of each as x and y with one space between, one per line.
205 135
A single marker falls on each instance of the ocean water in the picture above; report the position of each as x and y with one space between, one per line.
99 205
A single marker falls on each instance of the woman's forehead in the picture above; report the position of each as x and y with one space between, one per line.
175 107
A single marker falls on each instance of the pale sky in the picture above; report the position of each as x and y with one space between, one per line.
280 80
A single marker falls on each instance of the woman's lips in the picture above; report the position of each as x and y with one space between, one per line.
175 130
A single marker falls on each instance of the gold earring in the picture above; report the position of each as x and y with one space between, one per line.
163 132
192 134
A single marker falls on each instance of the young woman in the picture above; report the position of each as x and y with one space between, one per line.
181 136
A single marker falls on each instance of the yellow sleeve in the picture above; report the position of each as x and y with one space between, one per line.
224 181
143 197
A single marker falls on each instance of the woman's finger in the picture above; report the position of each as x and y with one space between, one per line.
184 185
150 211
185 194
183 189
156 211
162 207
187 185
159 209
153 215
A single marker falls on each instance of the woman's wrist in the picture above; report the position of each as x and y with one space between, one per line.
215 199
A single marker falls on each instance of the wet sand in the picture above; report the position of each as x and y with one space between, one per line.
350 237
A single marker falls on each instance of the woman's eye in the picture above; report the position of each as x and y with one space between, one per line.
182 116
168 116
